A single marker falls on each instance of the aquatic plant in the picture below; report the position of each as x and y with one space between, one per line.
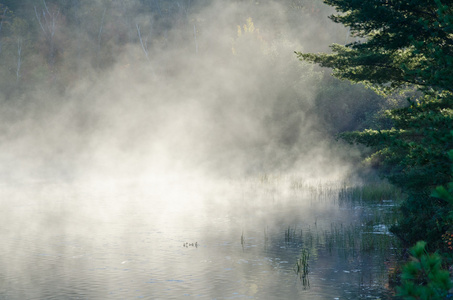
302 268
376 209
187 245
290 234
372 190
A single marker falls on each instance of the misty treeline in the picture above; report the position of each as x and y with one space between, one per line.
187 84
56 43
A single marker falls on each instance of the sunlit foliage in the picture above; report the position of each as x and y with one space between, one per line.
403 45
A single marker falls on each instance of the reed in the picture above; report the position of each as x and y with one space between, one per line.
374 191
266 235
375 204
290 234
302 267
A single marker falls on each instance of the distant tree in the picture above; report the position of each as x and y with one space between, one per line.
19 35
48 19
14 45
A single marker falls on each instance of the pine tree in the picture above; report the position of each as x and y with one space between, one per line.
404 45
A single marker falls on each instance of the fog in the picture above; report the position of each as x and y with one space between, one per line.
175 125
201 98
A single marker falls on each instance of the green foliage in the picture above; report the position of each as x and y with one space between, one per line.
413 154
445 193
417 166
423 277
422 217
407 43
404 44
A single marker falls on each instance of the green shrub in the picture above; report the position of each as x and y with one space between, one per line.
423 277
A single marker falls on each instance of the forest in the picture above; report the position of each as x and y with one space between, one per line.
372 77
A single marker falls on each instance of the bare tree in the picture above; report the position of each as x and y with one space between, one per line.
19 30
144 44
100 29
19 58
47 21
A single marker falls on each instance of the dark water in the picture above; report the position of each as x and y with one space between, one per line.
189 239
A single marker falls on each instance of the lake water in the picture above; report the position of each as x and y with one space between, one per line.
190 239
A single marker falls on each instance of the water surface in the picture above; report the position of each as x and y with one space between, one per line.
177 239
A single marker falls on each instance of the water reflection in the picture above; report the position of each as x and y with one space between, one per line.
169 241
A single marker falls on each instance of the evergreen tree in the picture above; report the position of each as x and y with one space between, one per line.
404 44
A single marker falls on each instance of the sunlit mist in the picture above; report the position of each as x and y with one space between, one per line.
166 160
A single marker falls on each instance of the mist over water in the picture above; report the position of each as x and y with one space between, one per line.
203 97
108 183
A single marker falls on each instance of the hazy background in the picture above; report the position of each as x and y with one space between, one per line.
145 89
130 128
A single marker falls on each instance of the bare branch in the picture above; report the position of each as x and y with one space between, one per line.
19 58
45 16
54 17
141 41
100 29
45 6
144 47
48 28
39 20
